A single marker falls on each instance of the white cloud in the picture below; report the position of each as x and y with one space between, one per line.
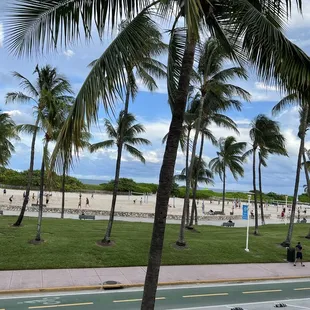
297 20
68 53
263 86
1 35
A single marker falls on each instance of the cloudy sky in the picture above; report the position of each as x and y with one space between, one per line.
152 110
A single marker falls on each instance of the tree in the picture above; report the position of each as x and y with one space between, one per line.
230 156
296 99
201 174
257 25
266 137
49 83
127 127
215 94
7 132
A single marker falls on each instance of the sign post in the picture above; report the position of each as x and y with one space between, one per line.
285 217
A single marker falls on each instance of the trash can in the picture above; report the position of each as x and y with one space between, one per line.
290 255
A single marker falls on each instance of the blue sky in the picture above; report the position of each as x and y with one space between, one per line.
152 110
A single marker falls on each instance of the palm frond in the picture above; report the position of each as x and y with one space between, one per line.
101 145
134 152
27 128
19 97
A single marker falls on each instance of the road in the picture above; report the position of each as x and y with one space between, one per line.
255 296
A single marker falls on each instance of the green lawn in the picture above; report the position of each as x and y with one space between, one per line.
72 243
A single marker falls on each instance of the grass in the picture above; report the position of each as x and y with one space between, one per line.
72 244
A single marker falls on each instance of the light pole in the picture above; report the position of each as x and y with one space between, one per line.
248 225
285 210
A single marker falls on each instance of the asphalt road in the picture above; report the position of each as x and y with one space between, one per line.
296 295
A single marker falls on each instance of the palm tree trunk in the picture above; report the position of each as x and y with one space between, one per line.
107 237
40 214
302 134
29 180
187 178
193 204
181 240
261 191
166 178
308 183
255 193
224 190
63 191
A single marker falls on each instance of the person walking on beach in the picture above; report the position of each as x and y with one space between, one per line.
299 254
4 191
47 198
203 207
11 199
87 202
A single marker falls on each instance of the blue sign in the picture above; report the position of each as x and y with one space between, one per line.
245 211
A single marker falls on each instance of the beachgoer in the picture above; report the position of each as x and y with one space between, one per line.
33 198
47 198
92 195
4 192
141 201
252 214
203 207
299 254
87 202
11 198
134 201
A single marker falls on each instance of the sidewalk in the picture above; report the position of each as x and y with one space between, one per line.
93 278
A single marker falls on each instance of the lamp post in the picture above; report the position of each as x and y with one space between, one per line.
248 225
285 218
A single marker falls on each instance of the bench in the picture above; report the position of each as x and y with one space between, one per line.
217 213
1 212
228 224
37 205
304 221
86 217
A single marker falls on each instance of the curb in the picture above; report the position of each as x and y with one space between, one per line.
120 286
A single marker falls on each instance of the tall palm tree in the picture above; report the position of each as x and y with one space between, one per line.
258 25
304 115
126 126
231 157
201 174
215 91
306 166
7 132
266 136
48 83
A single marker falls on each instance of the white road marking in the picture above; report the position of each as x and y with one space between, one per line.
244 304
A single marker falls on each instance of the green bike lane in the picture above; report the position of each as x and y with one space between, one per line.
167 298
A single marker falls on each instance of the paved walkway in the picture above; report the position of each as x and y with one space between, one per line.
37 279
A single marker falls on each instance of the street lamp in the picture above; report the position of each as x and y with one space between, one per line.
248 225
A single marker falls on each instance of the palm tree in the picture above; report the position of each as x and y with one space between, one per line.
259 27
265 136
48 83
300 100
201 174
7 132
215 92
230 156
127 127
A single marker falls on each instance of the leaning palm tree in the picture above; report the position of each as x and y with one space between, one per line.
48 83
265 136
258 25
126 126
8 132
300 100
231 157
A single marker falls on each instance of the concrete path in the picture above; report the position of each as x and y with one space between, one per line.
252 296
134 276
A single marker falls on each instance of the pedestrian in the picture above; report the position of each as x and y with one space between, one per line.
4 192
47 198
11 199
92 195
33 198
203 207
141 201
299 254
87 202
24 195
